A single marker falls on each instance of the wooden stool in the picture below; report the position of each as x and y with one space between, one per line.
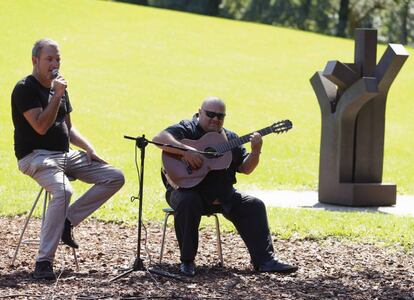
169 212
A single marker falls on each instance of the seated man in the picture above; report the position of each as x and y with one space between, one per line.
215 193
42 133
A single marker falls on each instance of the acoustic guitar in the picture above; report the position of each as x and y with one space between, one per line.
217 154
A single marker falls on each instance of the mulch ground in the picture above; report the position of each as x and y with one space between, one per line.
328 269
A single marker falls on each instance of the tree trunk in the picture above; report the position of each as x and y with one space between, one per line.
306 6
213 7
404 23
343 18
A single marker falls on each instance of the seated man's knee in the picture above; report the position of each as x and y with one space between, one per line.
115 179
186 201
61 193
118 177
257 204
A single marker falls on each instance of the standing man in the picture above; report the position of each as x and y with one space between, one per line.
42 133
215 193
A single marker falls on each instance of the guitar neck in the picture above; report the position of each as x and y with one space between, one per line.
224 147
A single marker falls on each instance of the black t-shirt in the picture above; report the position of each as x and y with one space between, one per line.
218 184
27 94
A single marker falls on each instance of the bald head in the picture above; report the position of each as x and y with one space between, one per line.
211 114
213 101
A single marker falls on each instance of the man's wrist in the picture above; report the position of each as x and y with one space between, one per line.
55 97
256 152
89 149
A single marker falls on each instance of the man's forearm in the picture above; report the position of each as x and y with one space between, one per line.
250 162
47 117
167 138
42 120
78 140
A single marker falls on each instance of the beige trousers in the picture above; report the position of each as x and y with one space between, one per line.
51 170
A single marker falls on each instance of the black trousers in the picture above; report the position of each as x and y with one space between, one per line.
248 216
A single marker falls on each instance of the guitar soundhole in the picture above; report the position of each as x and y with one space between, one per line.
210 149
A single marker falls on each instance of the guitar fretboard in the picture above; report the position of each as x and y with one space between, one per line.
227 146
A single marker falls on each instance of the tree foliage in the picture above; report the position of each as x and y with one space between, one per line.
394 19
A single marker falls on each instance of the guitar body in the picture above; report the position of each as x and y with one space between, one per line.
180 175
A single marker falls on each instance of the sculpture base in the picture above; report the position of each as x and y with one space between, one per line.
360 194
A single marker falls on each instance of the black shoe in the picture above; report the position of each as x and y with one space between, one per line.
67 235
44 270
274 265
187 269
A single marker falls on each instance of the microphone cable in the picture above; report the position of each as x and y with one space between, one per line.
134 197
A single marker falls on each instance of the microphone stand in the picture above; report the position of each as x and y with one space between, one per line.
141 143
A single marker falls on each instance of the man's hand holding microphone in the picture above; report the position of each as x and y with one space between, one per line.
59 84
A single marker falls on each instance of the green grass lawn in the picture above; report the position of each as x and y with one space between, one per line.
134 70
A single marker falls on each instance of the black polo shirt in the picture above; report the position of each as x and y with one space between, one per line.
28 94
218 184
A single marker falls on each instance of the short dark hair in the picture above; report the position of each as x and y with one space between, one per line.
38 46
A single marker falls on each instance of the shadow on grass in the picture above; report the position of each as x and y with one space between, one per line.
340 208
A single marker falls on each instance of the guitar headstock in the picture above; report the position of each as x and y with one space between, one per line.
281 126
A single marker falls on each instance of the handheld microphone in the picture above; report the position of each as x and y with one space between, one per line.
55 73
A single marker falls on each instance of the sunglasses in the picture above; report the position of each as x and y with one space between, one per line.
212 114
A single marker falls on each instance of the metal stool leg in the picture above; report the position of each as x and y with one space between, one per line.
25 226
21 241
76 259
168 212
167 215
219 249
47 198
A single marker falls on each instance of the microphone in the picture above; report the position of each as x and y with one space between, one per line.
55 73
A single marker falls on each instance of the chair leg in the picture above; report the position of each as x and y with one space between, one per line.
167 215
25 227
47 199
76 259
21 241
219 249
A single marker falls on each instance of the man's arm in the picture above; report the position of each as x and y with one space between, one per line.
41 120
195 160
80 141
252 160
